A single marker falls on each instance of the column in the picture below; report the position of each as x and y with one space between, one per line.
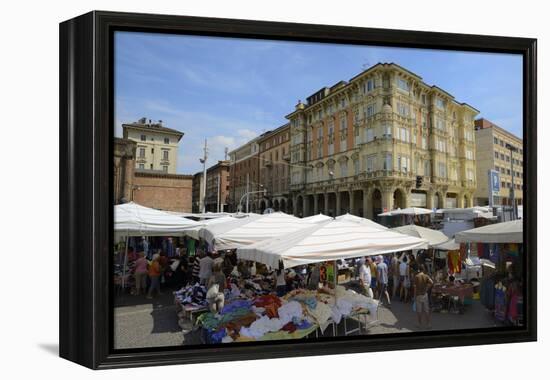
326 204
352 203
338 203
460 201
470 202
367 209
387 199
430 200
305 200
294 205
315 204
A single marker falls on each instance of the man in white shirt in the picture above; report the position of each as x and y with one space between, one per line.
405 280
365 278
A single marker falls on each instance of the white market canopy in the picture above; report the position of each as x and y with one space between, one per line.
132 219
332 240
505 232
200 215
255 229
432 236
407 211
194 231
449 245
317 218
357 219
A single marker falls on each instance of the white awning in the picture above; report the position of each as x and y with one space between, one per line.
133 219
193 232
317 218
449 245
506 232
408 211
254 230
432 236
358 219
332 240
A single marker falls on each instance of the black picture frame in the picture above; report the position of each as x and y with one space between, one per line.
86 212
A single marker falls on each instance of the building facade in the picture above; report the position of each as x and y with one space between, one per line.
124 166
274 159
500 150
361 146
244 176
217 188
163 191
157 146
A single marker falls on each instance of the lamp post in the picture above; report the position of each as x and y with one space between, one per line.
247 197
512 189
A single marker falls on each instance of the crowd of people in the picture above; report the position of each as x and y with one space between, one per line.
394 277
399 277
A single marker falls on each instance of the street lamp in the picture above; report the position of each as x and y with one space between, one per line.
264 191
512 189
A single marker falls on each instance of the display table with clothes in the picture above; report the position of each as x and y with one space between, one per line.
451 297
296 315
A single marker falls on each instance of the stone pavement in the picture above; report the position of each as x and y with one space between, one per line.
140 322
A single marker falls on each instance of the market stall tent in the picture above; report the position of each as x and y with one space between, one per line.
408 211
132 219
449 245
505 232
317 218
255 230
194 231
357 219
331 240
433 237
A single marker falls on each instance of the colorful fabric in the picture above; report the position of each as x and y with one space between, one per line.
453 258
238 304
271 303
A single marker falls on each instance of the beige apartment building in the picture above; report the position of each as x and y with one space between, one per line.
500 150
361 146
274 159
157 146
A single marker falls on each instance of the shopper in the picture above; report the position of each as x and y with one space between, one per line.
373 274
196 267
404 280
154 276
382 279
140 274
205 270
365 278
394 272
280 282
422 284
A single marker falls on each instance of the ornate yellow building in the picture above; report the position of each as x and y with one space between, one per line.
381 141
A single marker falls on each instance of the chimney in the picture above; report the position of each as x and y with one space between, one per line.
143 120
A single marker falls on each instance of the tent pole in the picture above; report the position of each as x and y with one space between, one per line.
124 263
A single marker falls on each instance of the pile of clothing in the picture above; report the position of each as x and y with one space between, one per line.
193 295
253 319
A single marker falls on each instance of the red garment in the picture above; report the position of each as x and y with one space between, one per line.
270 303
290 327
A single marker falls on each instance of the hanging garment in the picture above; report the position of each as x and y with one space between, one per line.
453 258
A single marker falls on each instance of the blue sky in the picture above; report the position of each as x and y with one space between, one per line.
231 90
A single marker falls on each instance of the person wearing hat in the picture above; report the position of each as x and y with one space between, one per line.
382 279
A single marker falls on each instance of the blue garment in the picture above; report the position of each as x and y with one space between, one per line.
304 324
216 337
238 304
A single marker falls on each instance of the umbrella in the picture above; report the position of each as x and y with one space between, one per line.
505 232
449 245
432 236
